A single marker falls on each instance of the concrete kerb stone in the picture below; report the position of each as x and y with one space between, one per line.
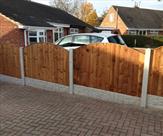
155 101
9 79
106 95
46 85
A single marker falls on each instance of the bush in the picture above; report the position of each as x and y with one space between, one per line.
143 41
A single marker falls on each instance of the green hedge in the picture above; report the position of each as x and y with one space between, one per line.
143 41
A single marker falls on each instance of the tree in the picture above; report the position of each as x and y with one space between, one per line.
88 14
70 6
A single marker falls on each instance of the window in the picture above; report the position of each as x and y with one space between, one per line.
74 30
82 39
58 33
141 32
96 39
132 32
36 36
153 33
116 39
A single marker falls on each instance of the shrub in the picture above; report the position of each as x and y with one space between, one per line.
143 41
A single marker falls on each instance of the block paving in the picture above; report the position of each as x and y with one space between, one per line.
26 111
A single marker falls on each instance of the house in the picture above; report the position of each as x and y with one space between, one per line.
23 22
134 21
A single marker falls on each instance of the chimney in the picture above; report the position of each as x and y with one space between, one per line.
137 4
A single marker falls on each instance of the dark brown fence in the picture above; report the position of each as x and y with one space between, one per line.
109 67
104 66
9 61
156 73
47 62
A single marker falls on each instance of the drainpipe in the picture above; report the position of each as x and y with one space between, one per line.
25 38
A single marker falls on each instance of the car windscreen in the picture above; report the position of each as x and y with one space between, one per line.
116 39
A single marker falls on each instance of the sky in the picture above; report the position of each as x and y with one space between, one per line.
101 5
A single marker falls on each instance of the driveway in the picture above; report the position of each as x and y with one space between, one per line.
26 111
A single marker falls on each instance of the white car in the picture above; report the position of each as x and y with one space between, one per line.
76 40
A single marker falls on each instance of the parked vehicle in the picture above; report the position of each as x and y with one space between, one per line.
77 40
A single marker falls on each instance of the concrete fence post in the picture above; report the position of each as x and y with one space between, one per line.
71 73
21 56
144 91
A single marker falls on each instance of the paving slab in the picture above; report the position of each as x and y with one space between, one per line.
26 111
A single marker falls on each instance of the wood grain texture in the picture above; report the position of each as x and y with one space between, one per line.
156 73
47 62
109 67
9 60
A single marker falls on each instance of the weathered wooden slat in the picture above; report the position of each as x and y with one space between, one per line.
156 73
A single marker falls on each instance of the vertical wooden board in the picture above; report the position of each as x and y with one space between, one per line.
99 67
124 69
130 65
1 65
39 62
116 68
107 65
105 72
112 64
66 61
155 83
27 61
140 73
47 63
122 63
152 74
58 65
55 65
50 63
160 79
135 79
16 60
2 59
77 65
35 61
30 62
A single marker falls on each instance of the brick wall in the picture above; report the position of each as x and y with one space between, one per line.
50 36
116 21
160 33
10 33
66 31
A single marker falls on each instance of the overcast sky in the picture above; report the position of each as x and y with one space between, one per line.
101 5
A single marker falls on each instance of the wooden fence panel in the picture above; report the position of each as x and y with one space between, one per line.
47 62
1 60
109 67
9 60
156 73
